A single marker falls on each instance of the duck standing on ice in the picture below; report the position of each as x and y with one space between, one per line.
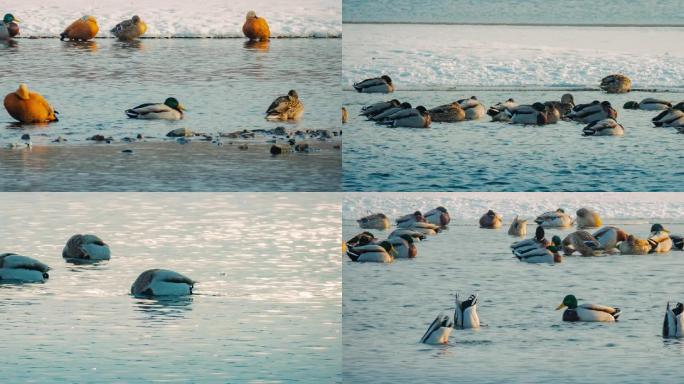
83 29
129 29
256 28
9 27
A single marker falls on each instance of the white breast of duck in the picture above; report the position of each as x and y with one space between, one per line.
472 107
439 330
465 313
669 118
162 282
21 269
672 324
529 114
438 216
373 253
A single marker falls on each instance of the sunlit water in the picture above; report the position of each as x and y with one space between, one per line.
487 156
387 308
266 308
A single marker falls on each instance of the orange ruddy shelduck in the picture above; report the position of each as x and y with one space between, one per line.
82 29
256 28
29 107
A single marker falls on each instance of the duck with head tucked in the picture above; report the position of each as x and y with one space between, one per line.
472 107
21 269
582 242
534 114
605 127
29 107
374 221
9 27
407 221
518 227
555 219
255 27
591 112
287 107
129 29
648 104
404 245
382 84
587 312
385 117
86 248
83 29
587 218
617 83
162 282
170 109
634 246
609 237
438 216
377 108
447 113
502 111
491 220
659 239
671 117
418 117
382 252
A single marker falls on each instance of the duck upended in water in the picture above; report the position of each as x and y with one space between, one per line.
256 28
591 112
438 216
659 239
518 227
129 29
345 115
438 332
472 107
382 84
491 220
374 221
605 127
587 312
541 252
587 218
382 252
29 107
287 107
465 314
616 84
86 247
162 282
672 324
555 219
447 113
170 109
9 27
648 104
82 29
22 269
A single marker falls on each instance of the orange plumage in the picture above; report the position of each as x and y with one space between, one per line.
256 28
82 29
29 107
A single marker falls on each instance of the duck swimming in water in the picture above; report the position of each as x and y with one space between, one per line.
587 312
382 84
518 227
21 269
538 241
9 27
671 117
170 109
86 247
539 253
162 282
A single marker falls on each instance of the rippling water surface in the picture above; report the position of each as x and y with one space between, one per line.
266 308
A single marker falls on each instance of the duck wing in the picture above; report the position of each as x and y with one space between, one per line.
279 105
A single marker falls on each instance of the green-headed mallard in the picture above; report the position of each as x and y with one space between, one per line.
9 27
587 312
171 109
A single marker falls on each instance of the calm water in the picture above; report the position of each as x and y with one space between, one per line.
266 309
487 156
387 308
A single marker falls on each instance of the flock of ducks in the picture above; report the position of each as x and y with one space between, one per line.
598 116
81 249
415 227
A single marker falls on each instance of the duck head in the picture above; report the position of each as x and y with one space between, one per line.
658 228
387 79
293 94
9 18
569 301
539 107
23 92
395 102
567 99
136 19
251 15
405 105
387 246
173 103
539 234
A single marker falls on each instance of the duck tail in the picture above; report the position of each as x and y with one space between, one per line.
131 113
617 313
353 256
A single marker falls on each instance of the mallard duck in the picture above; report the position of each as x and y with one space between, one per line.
671 117
171 109
582 242
9 27
648 104
555 219
287 107
162 282
256 28
438 332
518 227
362 238
616 84
634 246
565 105
374 221
408 220
345 115
417 236
677 242
534 114
21 269
465 314
552 113
587 218
659 239
594 111
29 107
672 324
472 107
86 247
129 29
502 111
609 237
418 117
377 108
538 253
425 228
438 216
405 246
587 312
605 127
490 220
382 252
447 113
382 84
538 241
82 29
386 116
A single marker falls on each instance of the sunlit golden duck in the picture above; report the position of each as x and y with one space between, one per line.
672 324
405 246
472 107
447 113
605 127
587 218
382 84
382 252
82 29
518 227
345 115
129 29
162 282
609 237
375 221
671 117
439 330
502 111
616 84
591 112
86 247
171 109
287 107
490 220
648 104
540 255
582 242
587 312
438 216
659 239
377 108
256 28
408 220
385 116
9 27
555 219
465 313
29 107
21 269
634 246
534 114
538 241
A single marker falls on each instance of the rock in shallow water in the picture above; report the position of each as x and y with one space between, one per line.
180 132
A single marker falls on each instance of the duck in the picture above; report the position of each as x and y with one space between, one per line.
541 254
552 113
534 114
256 28
565 105
417 117
438 216
555 219
634 246
417 236
82 29
472 107
617 83
360 239
538 241
587 312
86 247
382 252
502 111
129 29
591 112
386 117
447 113
425 228
9 27
518 227
345 115
374 221
677 242
377 108
162 282
170 109
605 127
490 220
587 218
671 117
609 237
672 324
465 314
407 221
287 107
382 84
582 242
29 107
439 331
659 239
405 246
22 269
648 104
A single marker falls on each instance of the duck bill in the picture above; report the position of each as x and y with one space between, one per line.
16 20
181 107
561 306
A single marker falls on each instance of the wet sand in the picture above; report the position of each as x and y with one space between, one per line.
169 166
